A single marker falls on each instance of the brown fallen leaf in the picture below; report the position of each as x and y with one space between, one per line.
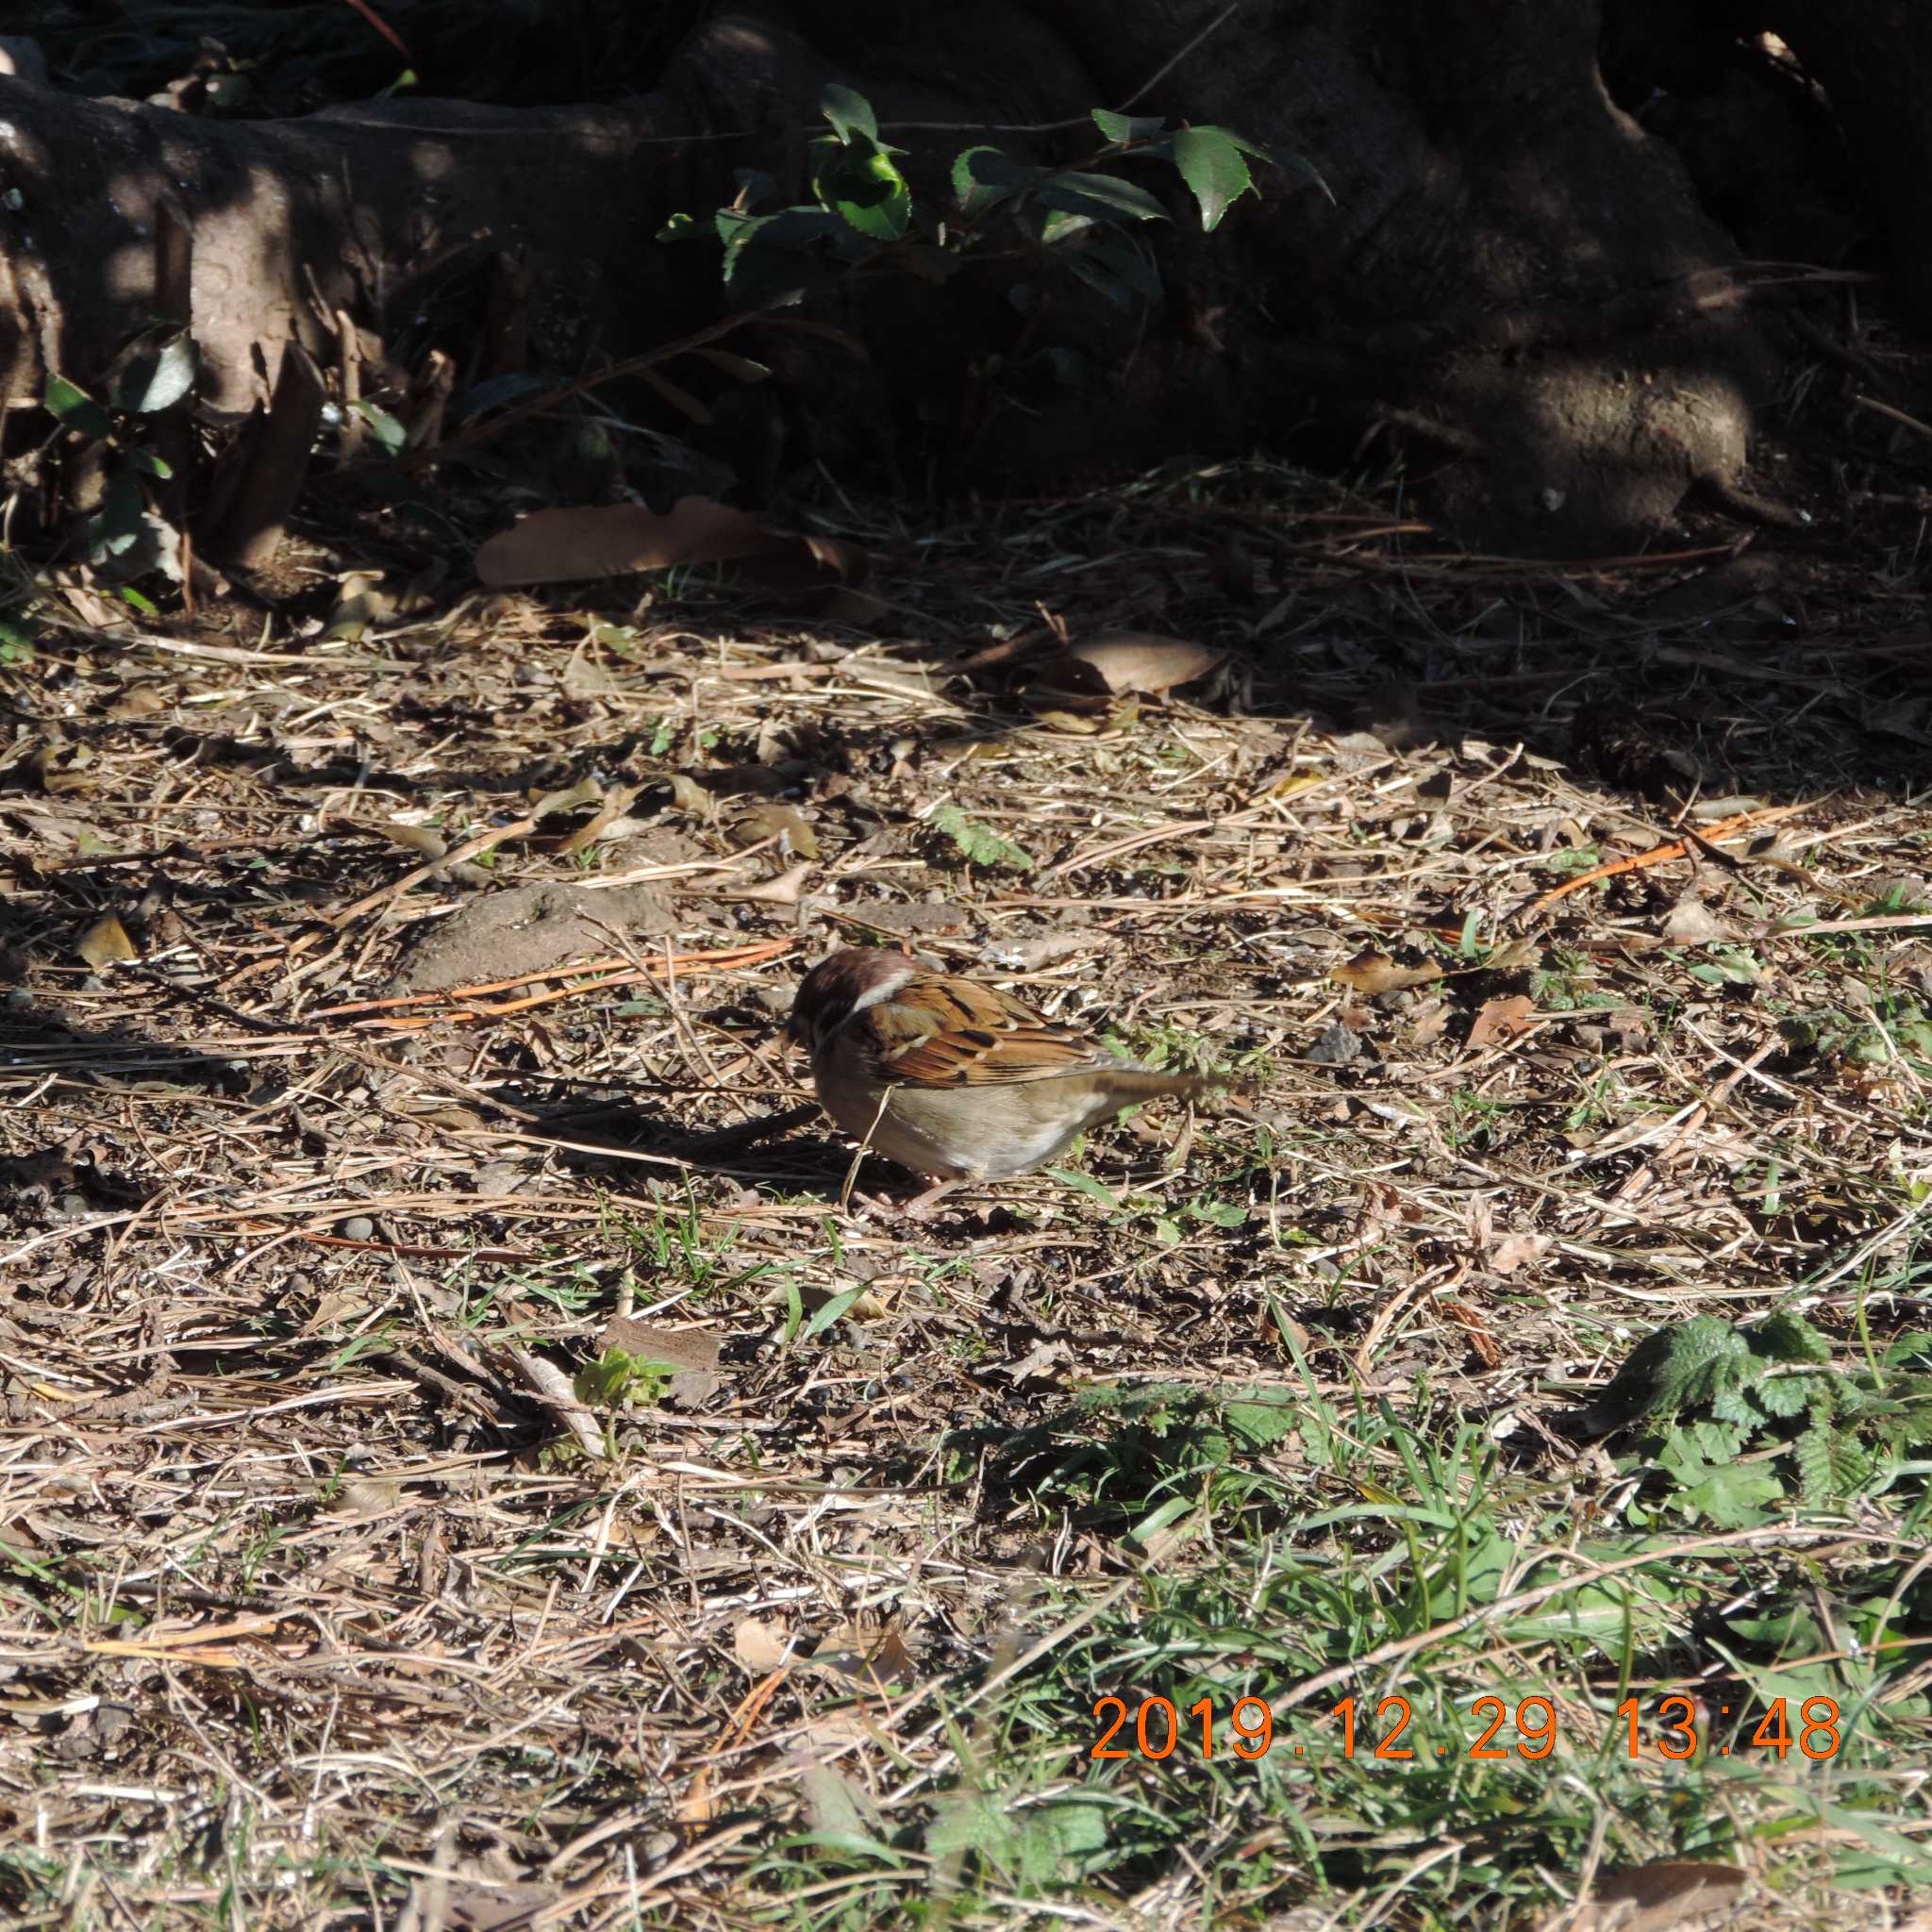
1112 661
1694 923
552 546
826 576
607 816
1500 1020
1482 1343
105 942
1513 1250
692 1352
1654 1898
780 821
426 842
760 1646
782 890
1371 972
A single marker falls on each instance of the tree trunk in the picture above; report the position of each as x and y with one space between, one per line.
1514 286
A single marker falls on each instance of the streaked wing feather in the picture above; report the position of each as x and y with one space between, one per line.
952 1033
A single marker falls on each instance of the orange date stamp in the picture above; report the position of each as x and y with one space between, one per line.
1526 1729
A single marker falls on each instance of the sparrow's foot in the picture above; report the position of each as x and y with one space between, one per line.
916 1207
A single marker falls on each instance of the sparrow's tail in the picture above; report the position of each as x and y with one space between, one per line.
1146 1083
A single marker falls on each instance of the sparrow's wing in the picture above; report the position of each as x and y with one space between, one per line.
940 1032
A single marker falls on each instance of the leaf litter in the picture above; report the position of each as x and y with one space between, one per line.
309 1507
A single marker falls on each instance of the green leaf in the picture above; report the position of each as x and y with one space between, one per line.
118 526
1737 1497
1085 1184
832 1311
850 113
1212 166
157 377
148 463
1672 1367
985 176
1112 263
789 231
1121 128
1106 197
1260 1425
680 227
863 186
979 845
390 434
1780 1396
1785 1337
74 408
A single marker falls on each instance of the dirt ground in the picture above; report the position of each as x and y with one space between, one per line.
331 1593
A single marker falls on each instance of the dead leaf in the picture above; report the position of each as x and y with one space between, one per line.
62 769
1371 972
872 1657
426 842
783 891
1692 923
784 822
760 1646
1482 1343
1072 723
1513 1250
1500 1020
361 602
692 1352
488 1905
1112 661
552 546
574 798
689 796
607 819
1654 1898
105 942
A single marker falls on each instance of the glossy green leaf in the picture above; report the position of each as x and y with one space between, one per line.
75 408
1106 197
157 377
849 112
862 184
985 176
1124 127
1212 167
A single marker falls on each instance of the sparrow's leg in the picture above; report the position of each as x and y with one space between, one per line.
915 1207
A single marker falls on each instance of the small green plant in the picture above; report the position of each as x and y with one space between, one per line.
123 539
619 1380
1745 1419
863 209
979 845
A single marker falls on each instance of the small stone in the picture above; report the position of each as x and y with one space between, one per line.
359 1227
1334 1046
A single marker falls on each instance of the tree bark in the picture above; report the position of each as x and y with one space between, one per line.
1514 287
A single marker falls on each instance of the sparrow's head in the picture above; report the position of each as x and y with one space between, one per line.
849 981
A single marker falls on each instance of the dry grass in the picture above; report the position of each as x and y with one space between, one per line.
319 1605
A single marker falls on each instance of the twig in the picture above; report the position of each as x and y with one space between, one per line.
1662 855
